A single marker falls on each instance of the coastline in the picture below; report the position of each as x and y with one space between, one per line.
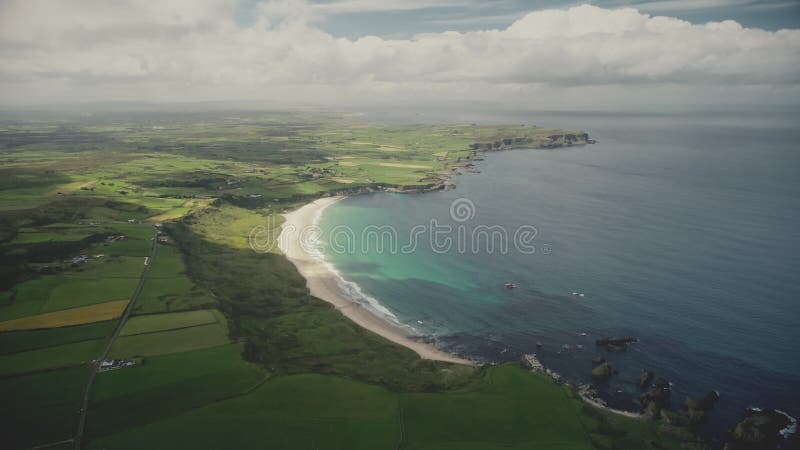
324 284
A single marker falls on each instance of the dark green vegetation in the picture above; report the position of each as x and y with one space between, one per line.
168 288
176 383
21 341
288 331
509 408
51 357
229 348
41 408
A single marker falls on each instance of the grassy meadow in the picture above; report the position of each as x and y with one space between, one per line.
229 348
509 409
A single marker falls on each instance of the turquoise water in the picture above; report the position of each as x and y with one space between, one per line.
681 230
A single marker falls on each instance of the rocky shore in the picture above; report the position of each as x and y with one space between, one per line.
762 429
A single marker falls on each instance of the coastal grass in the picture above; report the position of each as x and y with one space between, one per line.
609 430
510 409
231 226
288 331
186 208
69 317
41 408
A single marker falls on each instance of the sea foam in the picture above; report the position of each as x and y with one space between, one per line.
316 249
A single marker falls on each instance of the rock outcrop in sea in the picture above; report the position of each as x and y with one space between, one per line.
616 344
697 409
656 398
762 429
645 378
602 372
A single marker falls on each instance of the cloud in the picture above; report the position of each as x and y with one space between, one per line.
185 50
664 6
688 5
359 6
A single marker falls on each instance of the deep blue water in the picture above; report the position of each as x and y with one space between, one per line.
680 229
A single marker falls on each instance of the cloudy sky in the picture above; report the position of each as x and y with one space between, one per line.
548 54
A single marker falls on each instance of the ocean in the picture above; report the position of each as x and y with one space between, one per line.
680 229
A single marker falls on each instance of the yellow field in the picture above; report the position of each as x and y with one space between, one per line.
187 207
342 180
232 226
393 148
67 317
404 166
72 187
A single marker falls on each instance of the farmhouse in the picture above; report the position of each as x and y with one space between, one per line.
111 364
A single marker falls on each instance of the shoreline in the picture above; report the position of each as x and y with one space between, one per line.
324 284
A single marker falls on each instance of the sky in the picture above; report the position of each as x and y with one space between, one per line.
544 54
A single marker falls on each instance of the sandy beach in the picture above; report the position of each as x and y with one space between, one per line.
324 285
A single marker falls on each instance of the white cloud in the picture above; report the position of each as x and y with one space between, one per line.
183 50
671 6
355 6
688 5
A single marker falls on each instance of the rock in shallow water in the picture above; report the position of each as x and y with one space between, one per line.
760 429
645 378
602 372
660 394
703 404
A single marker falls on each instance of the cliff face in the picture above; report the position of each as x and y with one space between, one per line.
556 140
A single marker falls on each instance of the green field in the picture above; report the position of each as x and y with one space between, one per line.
137 242
20 341
41 408
513 409
50 357
125 397
161 322
168 288
101 280
81 315
299 412
171 341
